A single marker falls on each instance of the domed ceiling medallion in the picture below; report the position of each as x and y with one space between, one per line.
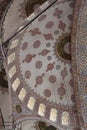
62 48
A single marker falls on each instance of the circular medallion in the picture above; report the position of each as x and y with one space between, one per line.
63 48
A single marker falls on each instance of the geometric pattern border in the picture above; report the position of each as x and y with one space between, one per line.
79 52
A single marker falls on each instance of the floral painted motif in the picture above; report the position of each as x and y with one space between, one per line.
61 91
64 73
28 58
35 32
58 12
43 84
47 92
48 36
24 46
52 78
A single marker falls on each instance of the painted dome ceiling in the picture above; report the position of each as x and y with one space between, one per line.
45 63
39 66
